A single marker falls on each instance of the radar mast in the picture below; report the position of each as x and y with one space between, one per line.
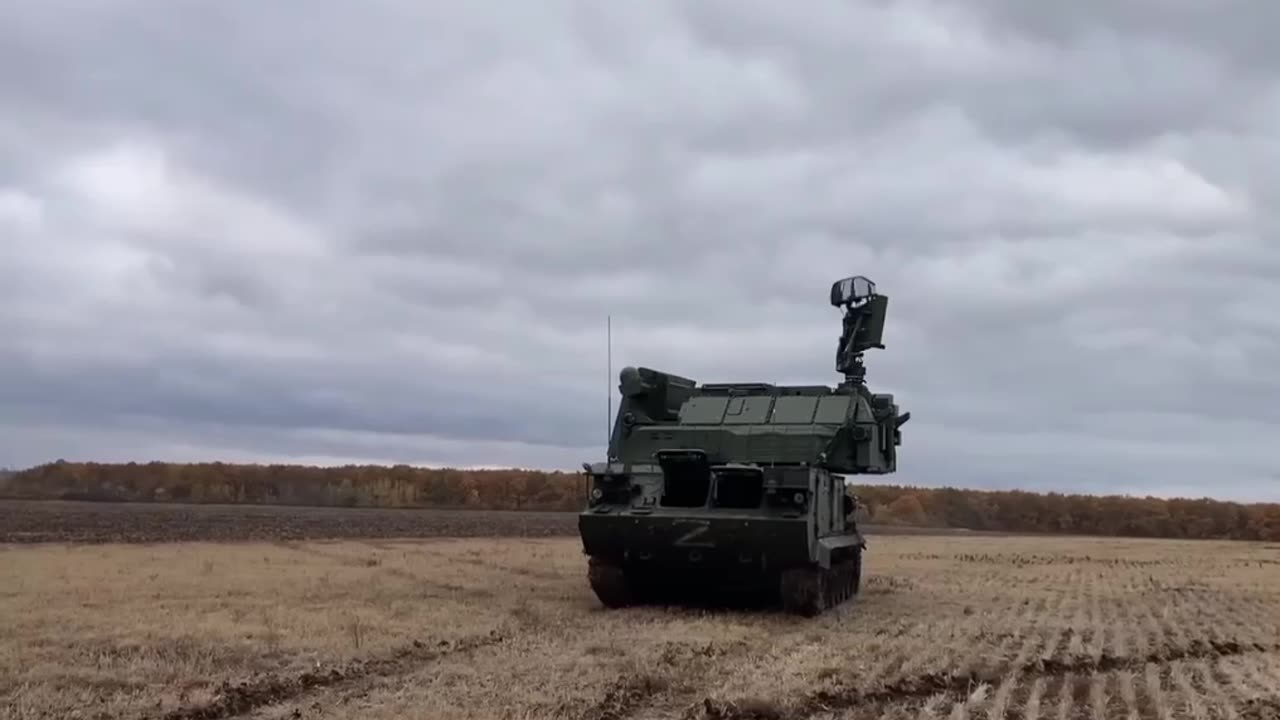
863 325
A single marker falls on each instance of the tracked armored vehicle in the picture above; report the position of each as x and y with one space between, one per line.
740 486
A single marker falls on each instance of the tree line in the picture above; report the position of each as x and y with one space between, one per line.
517 489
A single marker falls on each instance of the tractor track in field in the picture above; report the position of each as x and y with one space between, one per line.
956 685
234 699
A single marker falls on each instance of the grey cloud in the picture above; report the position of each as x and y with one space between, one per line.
1021 72
1235 31
393 233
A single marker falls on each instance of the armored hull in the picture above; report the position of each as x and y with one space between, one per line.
739 488
682 556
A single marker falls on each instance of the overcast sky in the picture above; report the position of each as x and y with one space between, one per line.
391 231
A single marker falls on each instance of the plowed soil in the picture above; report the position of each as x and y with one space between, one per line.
23 521
945 627
37 521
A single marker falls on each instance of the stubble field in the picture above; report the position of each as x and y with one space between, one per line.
506 627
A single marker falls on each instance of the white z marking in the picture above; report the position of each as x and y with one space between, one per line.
701 527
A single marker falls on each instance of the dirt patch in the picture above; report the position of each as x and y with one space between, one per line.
624 696
1261 709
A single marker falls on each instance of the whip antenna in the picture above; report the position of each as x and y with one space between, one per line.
608 385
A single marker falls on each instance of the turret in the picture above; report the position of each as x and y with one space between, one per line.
846 429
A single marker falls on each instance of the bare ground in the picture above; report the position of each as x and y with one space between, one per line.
39 521
946 627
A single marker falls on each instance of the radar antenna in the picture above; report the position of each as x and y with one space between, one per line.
864 313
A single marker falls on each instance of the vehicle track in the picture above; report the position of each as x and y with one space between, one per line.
957 685
236 699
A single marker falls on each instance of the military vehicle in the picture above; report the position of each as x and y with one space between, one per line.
741 486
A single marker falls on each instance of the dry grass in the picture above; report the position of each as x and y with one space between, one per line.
946 627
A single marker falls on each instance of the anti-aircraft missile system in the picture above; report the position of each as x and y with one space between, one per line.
741 486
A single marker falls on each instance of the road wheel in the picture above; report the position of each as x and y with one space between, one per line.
804 591
856 571
609 583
